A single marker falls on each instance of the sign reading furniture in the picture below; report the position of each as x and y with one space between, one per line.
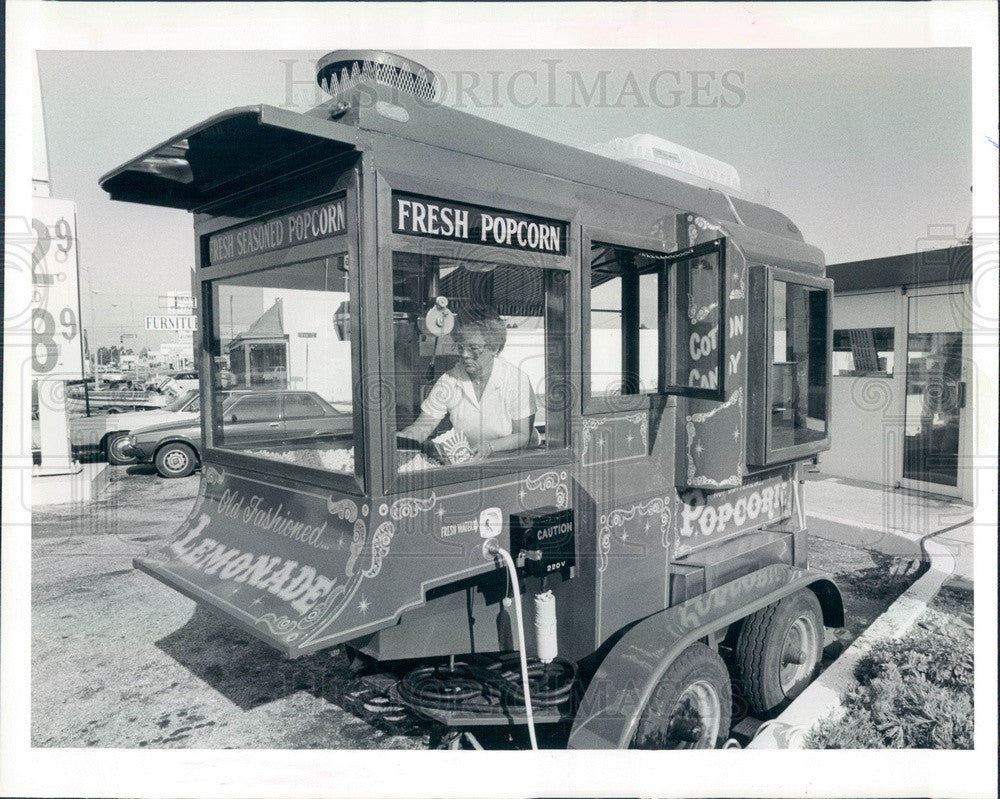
178 323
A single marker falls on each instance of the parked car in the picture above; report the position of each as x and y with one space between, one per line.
102 435
111 376
185 380
182 381
259 418
183 409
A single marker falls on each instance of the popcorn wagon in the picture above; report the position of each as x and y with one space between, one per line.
579 387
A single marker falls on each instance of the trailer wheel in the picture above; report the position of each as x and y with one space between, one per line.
778 651
114 446
175 460
691 706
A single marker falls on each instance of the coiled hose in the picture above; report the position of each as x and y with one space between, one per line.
432 687
479 689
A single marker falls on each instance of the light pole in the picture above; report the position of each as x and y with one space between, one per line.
95 354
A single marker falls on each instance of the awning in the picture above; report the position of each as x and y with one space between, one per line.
219 155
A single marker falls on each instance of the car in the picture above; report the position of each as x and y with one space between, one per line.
111 376
102 435
118 425
258 418
185 380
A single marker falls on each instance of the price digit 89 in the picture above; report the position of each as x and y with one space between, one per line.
45 350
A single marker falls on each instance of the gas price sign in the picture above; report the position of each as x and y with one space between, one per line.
55 298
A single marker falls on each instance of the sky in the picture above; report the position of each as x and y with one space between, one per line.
868 151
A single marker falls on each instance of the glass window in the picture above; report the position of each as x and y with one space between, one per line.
478 388
624 333
863 351
695 361
799 370
279 336
188 401
245 410
934 399
302 406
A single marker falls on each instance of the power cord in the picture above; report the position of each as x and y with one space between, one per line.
495 549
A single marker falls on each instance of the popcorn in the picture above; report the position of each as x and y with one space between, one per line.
419 463
335 460
453 447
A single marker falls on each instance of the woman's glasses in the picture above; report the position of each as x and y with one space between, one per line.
474 350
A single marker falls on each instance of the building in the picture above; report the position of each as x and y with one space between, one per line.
902 367
176 356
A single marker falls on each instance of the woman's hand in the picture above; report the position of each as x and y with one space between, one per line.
482 450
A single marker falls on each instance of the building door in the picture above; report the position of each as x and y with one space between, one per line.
935 393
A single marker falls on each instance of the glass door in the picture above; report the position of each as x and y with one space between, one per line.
935 395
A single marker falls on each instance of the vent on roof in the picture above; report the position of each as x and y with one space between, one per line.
666 158
340 71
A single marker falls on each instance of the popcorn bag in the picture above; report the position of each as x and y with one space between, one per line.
453 447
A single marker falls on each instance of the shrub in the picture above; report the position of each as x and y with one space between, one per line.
913 693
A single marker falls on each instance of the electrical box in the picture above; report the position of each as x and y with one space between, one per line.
543 542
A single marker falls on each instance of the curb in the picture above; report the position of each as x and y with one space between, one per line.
824 695
51 491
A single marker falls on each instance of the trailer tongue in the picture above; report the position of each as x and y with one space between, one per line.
574 390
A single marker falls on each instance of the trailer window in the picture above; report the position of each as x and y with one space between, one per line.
624 339
485 380
695 361
797 395
277 342
654 323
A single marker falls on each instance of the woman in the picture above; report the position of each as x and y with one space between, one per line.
488 399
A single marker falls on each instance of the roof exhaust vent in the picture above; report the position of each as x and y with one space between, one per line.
340 71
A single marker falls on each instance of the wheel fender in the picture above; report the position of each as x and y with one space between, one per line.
178 440
629 673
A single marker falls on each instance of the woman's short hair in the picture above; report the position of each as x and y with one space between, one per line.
485 321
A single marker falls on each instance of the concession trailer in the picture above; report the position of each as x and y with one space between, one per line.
642 552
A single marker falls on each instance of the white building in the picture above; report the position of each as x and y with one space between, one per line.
902 372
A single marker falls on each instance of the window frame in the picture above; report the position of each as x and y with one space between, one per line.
591 405
760 342
345 245
669 256
284 405
670 265
253 395
390 242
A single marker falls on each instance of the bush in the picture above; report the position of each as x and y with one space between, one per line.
913 693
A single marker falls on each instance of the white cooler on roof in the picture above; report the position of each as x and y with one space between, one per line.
672 160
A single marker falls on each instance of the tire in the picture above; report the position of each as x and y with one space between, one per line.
778 650
691 706
175 460
113 449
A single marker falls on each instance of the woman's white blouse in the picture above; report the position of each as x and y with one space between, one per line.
507 397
